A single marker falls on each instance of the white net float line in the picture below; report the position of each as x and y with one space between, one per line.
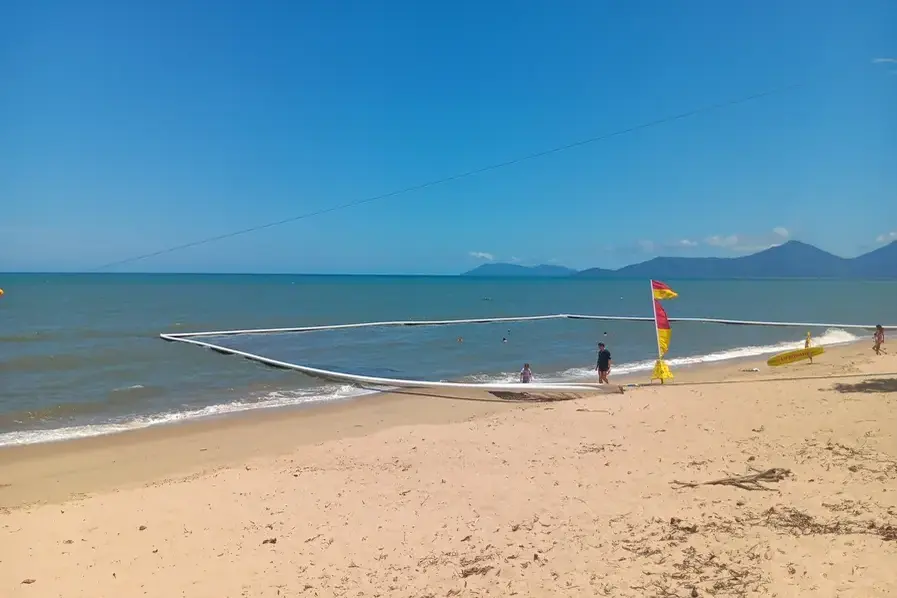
397 382
187 335
357 379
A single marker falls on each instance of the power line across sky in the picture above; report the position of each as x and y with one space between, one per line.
462 175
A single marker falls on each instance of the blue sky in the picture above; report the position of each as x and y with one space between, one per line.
128 127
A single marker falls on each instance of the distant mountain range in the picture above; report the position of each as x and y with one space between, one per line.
789 260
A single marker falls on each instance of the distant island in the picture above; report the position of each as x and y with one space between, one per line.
793 259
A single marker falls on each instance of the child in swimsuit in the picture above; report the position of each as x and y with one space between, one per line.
877 339
526 374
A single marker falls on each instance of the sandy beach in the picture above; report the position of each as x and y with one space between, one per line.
411 494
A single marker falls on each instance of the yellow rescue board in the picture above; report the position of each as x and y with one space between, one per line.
794 356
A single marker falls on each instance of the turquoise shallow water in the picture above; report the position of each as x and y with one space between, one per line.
80 354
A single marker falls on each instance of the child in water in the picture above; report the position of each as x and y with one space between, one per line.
526 374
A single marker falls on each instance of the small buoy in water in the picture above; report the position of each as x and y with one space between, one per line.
1 292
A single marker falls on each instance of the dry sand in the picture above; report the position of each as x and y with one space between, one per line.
418 495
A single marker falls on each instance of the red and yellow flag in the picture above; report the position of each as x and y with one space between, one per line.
663 327
662 291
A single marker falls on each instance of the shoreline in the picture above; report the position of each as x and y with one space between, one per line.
80 466
625 378
125 459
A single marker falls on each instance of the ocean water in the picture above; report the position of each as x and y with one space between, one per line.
80 354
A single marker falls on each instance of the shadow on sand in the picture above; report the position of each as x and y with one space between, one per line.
497 396
876 385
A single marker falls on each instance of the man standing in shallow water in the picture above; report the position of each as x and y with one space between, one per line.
603 365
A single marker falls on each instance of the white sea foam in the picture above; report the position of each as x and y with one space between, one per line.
129 388
832 336
280 398
287 398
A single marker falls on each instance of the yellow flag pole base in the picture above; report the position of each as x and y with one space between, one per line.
661 371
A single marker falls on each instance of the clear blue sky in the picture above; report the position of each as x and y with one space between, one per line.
127 127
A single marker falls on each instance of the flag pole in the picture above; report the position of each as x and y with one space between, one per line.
656 329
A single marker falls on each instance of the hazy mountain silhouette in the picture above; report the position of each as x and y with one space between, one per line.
789 260
881 263
793 259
